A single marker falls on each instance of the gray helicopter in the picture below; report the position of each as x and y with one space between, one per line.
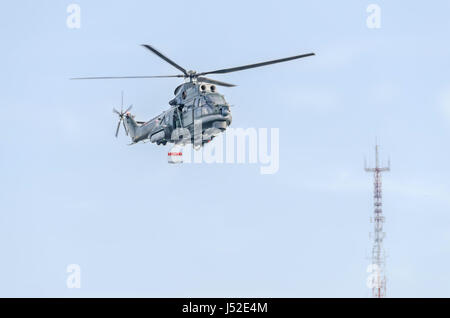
197 113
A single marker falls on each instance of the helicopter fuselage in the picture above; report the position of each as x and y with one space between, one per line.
197 114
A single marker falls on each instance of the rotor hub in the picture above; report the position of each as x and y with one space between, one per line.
191 74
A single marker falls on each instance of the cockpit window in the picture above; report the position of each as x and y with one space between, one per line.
177 90
215 99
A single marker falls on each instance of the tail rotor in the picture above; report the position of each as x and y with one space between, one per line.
122 115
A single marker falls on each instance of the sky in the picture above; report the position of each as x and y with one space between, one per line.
137 226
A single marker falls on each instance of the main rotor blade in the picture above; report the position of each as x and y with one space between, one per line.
118 126
124 77
165 58
116 111
245 67
213 81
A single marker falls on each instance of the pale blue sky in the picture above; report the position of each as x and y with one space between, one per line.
72 193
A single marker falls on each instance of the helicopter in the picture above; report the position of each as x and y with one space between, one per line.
196 101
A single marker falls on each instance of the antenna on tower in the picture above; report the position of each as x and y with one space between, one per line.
378 282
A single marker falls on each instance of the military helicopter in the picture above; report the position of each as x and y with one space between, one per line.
196 101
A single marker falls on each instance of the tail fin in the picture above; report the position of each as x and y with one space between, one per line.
131 125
